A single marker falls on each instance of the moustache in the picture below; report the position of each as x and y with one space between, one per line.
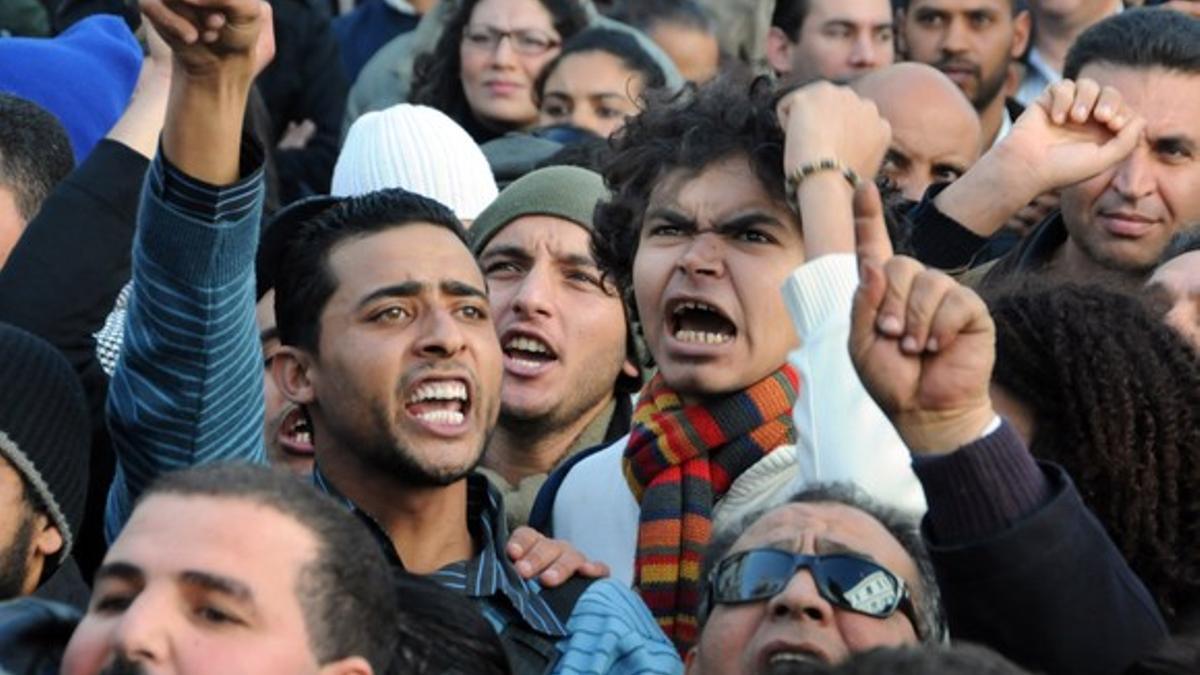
123 666
958 64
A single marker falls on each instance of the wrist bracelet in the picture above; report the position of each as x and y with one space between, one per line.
807 169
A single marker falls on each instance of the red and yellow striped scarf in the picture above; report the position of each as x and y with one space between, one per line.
680 460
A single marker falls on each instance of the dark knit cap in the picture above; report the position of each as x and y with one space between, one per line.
567 192
45 433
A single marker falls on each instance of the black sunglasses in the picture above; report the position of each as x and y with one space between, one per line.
847 581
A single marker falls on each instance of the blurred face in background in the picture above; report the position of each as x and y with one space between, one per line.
592 90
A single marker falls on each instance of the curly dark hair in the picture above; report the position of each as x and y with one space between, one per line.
437 74
1115 397
700 126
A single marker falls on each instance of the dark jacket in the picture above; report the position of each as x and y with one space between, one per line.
1026 569
33 635
60 283
363 31
304 82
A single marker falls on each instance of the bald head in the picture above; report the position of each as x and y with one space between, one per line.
936 135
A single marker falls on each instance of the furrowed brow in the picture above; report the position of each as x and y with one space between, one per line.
508 252
121 571
461 289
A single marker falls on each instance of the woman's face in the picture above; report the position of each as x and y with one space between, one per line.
591 90
504 46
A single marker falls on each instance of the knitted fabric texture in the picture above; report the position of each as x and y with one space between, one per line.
85 76
679 461
567 192
45 434
419 149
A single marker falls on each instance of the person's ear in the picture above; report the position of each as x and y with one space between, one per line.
351 665
629 369
294 375
779 51
1022 30
48 540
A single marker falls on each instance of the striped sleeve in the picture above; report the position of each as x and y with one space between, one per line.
188 386
612 631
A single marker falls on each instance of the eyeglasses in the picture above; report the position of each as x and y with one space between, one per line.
846 581
527 42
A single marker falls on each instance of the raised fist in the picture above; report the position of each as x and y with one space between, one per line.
924 347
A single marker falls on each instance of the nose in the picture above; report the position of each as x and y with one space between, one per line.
1134 178
955 38
503 54
441 335
141 634
801 601
535 295
865 54
704 256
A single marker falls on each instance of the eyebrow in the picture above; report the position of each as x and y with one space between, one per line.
410 289
735 224
215 583
121 571
518 254
271 333
830 547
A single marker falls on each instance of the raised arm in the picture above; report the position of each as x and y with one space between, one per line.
843 436
1022 566
188 388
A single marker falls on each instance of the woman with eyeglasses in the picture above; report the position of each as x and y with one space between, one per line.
482 71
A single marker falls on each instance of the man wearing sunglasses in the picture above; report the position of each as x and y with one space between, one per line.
1021 566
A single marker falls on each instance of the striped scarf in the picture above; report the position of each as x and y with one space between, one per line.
680 460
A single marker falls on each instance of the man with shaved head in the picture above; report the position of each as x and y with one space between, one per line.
935 131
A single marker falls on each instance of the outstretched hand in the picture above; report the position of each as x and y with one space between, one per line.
551 561
923 346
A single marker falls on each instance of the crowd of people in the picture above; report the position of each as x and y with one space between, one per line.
748 337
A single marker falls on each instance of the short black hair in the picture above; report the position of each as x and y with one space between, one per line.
646 15
304 281
905 529
729 117
345 614
440 631
1186 241
35 153
619 44
789 16
1138 38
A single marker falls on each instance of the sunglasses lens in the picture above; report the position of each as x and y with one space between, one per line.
860 585
753 575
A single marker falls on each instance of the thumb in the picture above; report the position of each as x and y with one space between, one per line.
872 287
870 230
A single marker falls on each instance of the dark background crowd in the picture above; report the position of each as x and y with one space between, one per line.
581 336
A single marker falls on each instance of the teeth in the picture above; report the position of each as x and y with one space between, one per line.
528 345
791 657
702 337
440 391
683 307
304 437
452 417
526 364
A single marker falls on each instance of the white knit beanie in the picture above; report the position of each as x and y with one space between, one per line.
417 148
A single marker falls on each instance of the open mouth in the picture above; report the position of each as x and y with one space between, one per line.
440 402
295 433
791 661
699 323
526 354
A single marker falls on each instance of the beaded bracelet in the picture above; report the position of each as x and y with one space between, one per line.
805 170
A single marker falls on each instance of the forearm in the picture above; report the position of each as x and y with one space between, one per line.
188 389
827 211
988 195
203 129
141 125
842 434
